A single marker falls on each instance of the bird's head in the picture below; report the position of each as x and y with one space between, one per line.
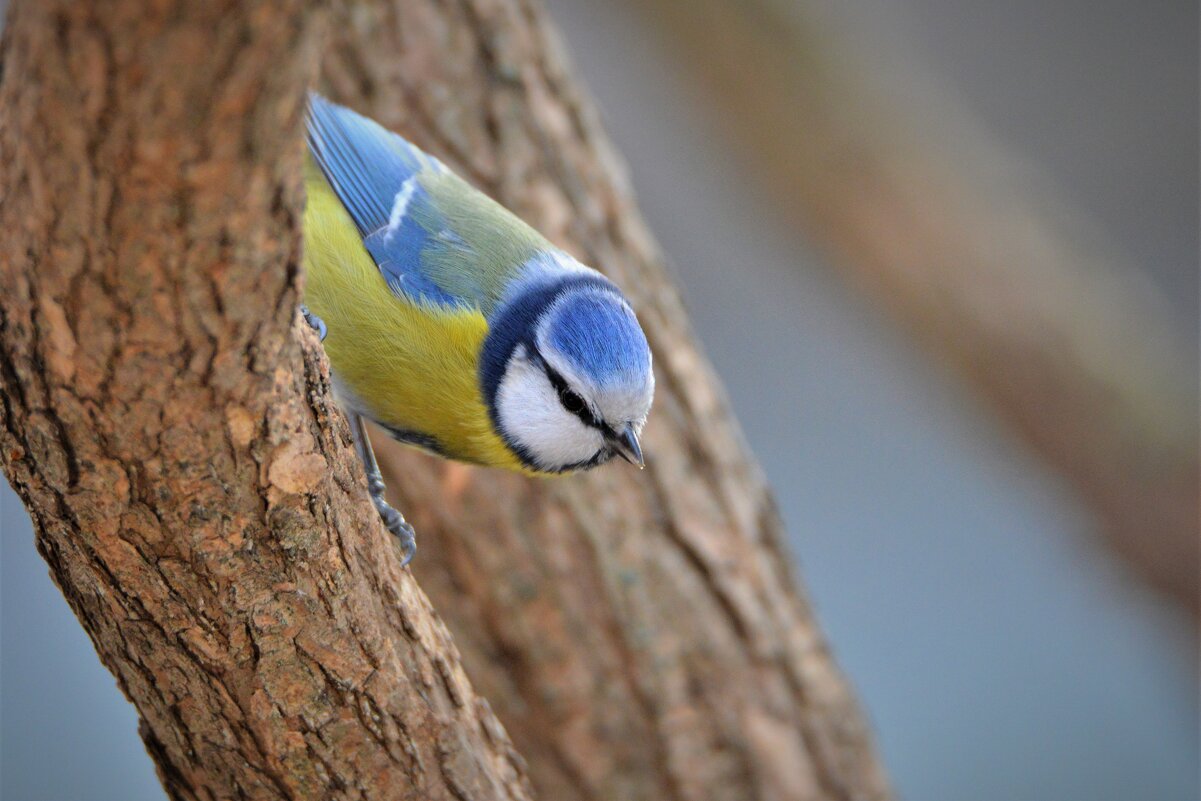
567 376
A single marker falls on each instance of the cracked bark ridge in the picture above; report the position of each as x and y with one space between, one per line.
167 418
640 634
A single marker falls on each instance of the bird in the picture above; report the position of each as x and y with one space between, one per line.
452 324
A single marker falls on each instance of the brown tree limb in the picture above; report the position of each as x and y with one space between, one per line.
640 634
954 238
191 484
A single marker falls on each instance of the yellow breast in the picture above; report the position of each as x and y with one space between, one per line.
413 368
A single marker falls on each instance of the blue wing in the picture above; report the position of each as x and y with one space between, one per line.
377 176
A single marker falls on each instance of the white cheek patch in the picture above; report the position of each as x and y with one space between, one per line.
531 415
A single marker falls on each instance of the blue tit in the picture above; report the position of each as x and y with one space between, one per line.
451 323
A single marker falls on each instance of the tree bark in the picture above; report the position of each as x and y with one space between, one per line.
169 424
640 634
957 240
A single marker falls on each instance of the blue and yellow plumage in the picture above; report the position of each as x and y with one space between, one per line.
453 324
413 364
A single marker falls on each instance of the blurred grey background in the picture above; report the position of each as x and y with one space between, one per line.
1001 655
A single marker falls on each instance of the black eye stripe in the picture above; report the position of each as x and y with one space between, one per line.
570 399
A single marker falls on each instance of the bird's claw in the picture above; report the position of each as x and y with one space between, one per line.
393 520
315 322
396 524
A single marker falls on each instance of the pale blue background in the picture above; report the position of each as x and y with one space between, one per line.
1001 656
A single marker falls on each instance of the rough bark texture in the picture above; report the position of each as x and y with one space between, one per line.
640 634
966 248
169 424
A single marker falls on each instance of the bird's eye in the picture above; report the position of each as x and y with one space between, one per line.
571 401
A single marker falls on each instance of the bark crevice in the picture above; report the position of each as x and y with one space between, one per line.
168 422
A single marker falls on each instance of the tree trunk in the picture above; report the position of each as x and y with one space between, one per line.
640 634
191 484
168 422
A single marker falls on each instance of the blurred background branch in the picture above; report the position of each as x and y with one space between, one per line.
974 255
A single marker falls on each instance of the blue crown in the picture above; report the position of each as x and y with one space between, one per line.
598 334
595 330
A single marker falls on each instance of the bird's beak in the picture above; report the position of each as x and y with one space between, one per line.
625 442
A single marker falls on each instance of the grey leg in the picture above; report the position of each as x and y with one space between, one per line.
315 322
393 521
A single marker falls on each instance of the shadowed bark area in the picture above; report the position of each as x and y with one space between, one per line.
965 246
640 634
168 420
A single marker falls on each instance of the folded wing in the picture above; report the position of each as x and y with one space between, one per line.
435 239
